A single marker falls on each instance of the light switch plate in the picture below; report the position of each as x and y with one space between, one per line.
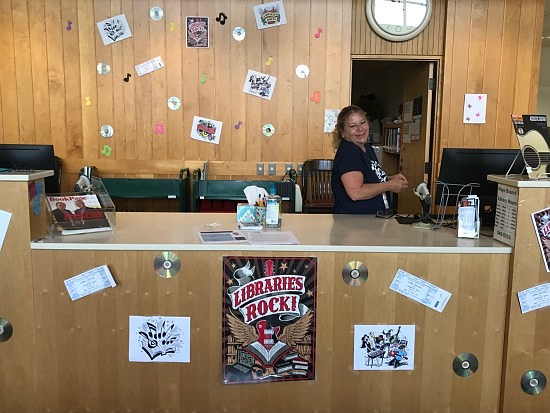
299 168
259 169
272 168
288 167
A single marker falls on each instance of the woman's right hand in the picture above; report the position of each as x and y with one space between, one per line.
398 182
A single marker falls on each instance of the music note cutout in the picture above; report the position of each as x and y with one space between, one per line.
238 125
127 78
319 31
269 61
316 96
172 26
88 100
221 18
203 78
106 150
158 129
69 25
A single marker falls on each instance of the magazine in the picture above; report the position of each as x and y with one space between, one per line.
77 214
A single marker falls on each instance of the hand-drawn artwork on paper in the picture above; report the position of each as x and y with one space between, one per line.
114 29
270 14
160 339
269 316
206 130
383 347
197 32
259 84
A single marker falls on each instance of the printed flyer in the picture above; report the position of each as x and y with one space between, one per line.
269 316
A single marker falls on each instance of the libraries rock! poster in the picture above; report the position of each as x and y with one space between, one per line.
269 307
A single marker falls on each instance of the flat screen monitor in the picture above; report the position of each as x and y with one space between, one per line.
31 157
463 166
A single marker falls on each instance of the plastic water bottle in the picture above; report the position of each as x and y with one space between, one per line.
273 214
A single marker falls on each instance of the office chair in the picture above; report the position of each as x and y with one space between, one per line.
316 186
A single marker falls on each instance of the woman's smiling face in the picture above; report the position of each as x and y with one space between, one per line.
356 129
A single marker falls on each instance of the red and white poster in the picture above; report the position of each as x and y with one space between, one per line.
269 315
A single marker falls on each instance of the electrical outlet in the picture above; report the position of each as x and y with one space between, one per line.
299 168
259 169
272 168
288 167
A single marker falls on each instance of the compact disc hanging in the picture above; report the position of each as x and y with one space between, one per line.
355 273
167 264
239 34
6 330
465 364
533 382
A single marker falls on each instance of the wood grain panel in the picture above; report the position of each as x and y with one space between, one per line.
485 46
528 341
83 354
430 42
18 355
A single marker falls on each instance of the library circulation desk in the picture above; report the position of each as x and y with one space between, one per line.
72 356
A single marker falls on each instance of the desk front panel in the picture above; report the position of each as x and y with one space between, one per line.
82 346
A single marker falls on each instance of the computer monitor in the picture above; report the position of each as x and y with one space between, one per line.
32 157
463 166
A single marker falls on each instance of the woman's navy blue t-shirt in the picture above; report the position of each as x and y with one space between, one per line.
349 157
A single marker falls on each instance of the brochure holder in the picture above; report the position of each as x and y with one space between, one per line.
448 192
98 214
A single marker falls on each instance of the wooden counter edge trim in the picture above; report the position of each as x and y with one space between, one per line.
289 248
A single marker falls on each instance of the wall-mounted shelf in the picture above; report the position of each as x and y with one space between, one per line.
391 138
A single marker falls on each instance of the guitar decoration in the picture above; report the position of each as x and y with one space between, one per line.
533 137
535 153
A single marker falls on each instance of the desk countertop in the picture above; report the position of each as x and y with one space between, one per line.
316 232
18 176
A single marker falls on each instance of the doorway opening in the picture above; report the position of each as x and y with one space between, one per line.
400 101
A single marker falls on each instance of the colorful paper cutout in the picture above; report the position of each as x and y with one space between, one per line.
206 130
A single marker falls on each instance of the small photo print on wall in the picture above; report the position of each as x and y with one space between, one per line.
160 339
259 84
206 130
114 29
383 347
197 33
270 14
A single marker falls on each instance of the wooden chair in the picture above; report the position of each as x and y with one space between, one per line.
316 186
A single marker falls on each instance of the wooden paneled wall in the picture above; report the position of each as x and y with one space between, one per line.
486 46
50 90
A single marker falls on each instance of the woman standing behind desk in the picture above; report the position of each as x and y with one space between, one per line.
359 184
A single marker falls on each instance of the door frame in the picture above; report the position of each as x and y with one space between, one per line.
434 148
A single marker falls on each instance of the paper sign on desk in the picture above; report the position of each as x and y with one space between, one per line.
420 290
159 339
4 222
272 238
89 282
534 298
